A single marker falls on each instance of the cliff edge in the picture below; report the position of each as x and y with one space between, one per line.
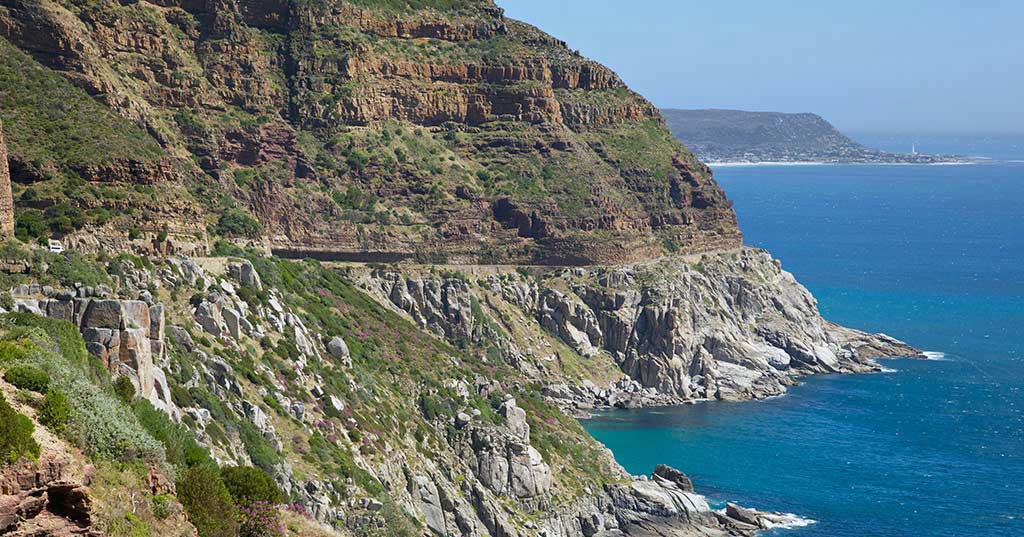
347 130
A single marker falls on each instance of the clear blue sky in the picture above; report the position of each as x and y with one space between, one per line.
896 65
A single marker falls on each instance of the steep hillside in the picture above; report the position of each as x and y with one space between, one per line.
440 131
390 400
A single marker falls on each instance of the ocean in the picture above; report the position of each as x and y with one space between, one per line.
933 255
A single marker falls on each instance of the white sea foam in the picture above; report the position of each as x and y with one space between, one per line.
935 355
789 521
779 521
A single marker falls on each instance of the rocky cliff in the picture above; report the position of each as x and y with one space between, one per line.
446 392
6 201
346 130
722 327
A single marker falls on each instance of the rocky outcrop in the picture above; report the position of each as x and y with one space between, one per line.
724 326
126 335
503 459
43 499
6 201
731 326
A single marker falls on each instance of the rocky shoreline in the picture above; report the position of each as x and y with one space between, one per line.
726 326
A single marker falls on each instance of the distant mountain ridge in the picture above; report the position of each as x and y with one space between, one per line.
741 136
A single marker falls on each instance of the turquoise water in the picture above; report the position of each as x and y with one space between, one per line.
933 255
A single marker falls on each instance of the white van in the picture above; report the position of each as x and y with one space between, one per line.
56 247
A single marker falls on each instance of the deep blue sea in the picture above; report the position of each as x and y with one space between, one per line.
933 255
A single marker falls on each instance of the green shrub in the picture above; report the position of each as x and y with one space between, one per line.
129 526
55 411
104 427
125 389
27 377
207 502
70 268
98 423
11 352
180 446
161 505
238 223
260 451
247 485
15 435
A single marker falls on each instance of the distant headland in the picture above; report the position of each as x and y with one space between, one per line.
741 137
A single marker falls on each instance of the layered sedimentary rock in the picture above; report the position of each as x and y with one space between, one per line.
498 142
6 201
44 498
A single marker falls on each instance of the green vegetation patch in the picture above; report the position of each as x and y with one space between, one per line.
208 502
15 434
52 124
27 377
97 422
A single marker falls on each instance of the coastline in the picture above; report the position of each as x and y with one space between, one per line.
741 164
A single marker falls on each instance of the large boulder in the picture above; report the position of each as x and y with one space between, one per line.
136 359
208 316
156 322
233 322
515 420
245 274
103 314
674 476
428 501
61 309
103 343
338 349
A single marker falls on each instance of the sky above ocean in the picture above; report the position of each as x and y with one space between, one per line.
925 65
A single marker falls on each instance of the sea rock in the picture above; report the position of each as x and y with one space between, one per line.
747 516
675 476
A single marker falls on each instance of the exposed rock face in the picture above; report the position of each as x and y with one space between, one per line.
487 131
730 326
6 202
504 460
43 499
126 335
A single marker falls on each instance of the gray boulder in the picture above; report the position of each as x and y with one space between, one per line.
338 349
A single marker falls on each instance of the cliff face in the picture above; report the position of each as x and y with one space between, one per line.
359 130
724 327
6 202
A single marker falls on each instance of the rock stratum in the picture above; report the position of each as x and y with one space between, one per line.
348 130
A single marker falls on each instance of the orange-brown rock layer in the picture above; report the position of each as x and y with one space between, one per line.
6 202
523 150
